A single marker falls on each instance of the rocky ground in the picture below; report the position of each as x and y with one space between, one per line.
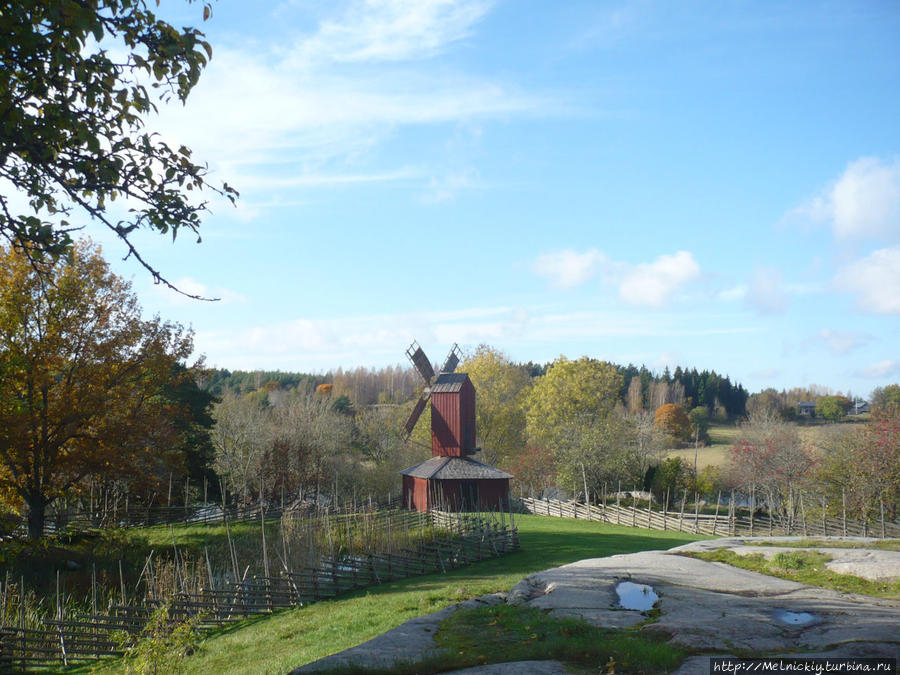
703 605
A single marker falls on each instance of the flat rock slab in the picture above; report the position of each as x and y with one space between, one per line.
713 606
871 564
702 605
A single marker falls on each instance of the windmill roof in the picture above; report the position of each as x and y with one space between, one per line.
460 468
448 383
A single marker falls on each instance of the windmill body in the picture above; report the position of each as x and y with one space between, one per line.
451 479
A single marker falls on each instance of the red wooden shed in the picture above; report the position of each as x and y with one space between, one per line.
455 484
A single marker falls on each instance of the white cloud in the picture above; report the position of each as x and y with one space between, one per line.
310 343
875 280
885 368
840 343
317 113
653 284
863 202
568 268
734 293
766 373
191 286
392 30
767 293
447 187
650 284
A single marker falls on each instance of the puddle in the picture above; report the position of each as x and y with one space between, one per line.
795 618
636 596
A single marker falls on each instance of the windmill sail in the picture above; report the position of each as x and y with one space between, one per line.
421 362
452 360
416 412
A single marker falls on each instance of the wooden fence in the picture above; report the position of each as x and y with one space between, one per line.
465 538
725 521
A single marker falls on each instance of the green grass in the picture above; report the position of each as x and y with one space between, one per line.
721 439
290 638
881 544
517 633
806 567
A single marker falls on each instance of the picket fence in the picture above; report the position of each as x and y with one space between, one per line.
726 521
466 538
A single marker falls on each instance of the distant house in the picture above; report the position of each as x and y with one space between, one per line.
858 408
806 409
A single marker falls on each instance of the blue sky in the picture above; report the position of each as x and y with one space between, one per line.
706 184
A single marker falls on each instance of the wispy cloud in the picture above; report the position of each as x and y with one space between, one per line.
445 188
839 343
193 287
372 339
318 113
391 30
569 268
875 280
863 202
767 293
880 369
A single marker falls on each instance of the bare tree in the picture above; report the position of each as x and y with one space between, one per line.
240 436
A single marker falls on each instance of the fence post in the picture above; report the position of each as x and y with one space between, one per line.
696 513
716 517
843 512
752 506
733 514
803 515
881 506
681 515
666 512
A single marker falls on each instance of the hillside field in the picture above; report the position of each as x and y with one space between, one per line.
290 638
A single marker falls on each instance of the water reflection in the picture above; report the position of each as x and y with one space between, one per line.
636 596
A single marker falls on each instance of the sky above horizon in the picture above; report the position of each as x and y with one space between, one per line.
712 185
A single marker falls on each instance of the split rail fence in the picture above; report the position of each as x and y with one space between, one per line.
725 521
463 538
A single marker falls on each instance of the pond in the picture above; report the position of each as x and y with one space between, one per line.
795 618
636 596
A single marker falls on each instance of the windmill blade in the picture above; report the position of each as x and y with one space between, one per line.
452 359
416 412
420 361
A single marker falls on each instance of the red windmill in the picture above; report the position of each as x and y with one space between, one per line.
451 479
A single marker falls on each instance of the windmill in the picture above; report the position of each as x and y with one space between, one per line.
421 363
450 479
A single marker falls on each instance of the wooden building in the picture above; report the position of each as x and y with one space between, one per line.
451 479
455 484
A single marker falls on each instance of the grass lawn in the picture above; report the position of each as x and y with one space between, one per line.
722 438
289 638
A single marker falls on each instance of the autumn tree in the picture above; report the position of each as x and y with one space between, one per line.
832 407
886 401
771 458
571 392
78 81
673 420
604 451
501 387
81 375
240 436
860 466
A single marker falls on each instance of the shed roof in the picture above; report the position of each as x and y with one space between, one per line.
448 383
459 468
